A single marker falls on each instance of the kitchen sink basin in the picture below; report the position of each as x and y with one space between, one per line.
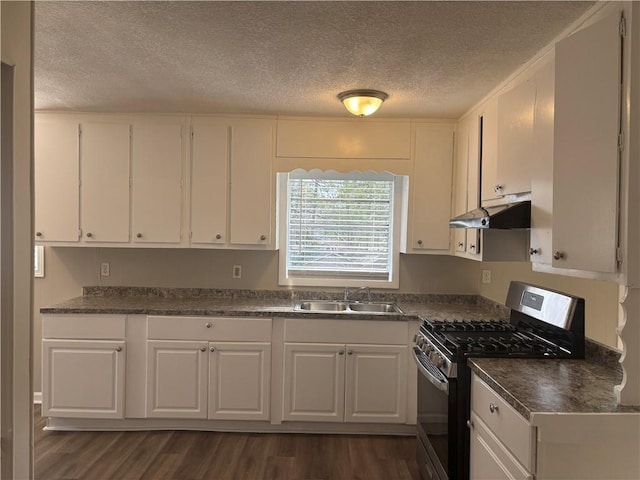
346 307
375 307
321 306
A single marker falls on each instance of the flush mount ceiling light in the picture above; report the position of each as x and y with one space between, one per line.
362 102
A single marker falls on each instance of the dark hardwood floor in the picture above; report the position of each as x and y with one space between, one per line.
211 455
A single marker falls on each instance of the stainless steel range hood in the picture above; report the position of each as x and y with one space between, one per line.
505 216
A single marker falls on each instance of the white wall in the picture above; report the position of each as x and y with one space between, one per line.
601 298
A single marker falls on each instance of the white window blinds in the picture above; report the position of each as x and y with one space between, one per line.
340 227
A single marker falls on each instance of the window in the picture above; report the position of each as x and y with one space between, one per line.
340 229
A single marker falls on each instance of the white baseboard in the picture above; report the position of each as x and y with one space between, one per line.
37 398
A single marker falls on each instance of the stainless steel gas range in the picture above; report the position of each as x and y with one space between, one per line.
543 323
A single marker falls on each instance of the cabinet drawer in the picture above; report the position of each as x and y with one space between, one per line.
209 328
346 331
508 426
89 327
490 458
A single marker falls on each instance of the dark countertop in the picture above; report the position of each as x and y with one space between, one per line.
139 301
553 386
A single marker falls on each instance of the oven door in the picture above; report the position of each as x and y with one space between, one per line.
436 457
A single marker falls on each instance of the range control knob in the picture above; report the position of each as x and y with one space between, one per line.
436 358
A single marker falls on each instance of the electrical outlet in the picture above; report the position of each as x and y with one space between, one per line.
105 269
486 276
237 271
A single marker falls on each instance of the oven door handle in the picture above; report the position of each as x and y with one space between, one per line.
437 379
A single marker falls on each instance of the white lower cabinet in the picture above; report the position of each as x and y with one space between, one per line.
551 445
314 382
331 375
490 459
502 441
345 383
83 377
177 379
375 383
208 378
239 381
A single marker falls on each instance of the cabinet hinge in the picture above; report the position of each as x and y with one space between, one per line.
621 142
79 233
622 27
191 130
618 255
190 235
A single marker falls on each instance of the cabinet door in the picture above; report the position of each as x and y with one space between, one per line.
489 155
157 182
177 379
473 182
585 154
515 139
209 182
489 459
460 183
376 384
252 198
83 378
239 381
314 382
431 192
56 180
104 185
542 168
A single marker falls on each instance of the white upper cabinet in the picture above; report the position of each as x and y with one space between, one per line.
104 185
232 194
252 197
431 188
361 138
56 179
157 181
474 152
209 182
489 154
515 139
460 183
483 245
586 156
542 167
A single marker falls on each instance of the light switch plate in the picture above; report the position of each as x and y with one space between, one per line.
237 271
105 269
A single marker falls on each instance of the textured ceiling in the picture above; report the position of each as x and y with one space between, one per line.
433 58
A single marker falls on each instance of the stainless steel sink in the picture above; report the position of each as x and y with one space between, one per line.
321 306
375 307
346 307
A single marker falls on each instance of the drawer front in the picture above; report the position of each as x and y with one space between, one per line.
209 328
504 421
379 332
490 458
86 327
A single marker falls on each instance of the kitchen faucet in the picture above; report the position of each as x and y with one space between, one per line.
347 293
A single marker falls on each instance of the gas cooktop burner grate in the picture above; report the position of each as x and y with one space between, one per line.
468 326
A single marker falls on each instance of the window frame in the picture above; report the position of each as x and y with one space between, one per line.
398 218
